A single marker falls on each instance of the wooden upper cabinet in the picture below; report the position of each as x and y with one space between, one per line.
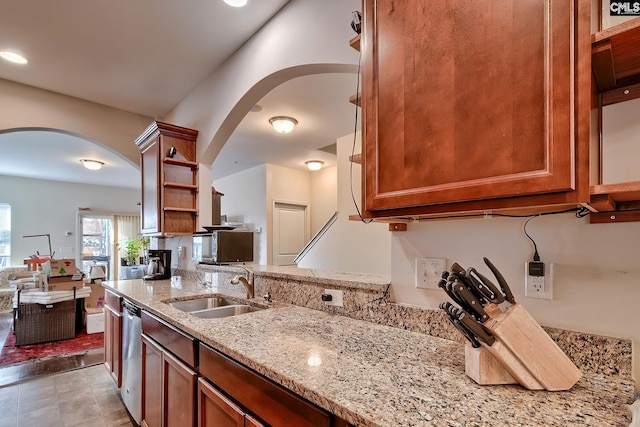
169 180
474 105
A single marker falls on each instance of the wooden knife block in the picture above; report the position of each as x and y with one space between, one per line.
524 350
483 368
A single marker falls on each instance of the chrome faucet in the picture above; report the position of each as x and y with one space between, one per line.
246 281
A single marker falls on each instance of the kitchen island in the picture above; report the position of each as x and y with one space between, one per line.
374 375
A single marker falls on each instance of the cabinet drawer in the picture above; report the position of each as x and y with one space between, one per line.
113 300
177 342
271 402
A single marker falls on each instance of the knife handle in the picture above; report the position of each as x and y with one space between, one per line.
484 286
471 301
501 281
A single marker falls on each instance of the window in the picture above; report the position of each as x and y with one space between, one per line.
5 234
96 242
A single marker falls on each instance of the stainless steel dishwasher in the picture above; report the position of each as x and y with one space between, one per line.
131 390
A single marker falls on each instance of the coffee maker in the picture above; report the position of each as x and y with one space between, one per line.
158 264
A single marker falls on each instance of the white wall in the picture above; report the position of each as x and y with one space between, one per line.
351 246
597 275
621 142
49 207
324 196
245 200
26 107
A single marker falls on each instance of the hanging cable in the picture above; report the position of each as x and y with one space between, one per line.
353 147
536 256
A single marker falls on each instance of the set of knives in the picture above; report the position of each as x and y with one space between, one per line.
506 345
472 291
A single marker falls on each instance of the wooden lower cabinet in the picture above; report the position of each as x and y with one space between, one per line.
168 388
263 402
113 337
151 383
215 410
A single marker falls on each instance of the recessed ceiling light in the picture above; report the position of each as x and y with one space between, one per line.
236 3
13 57
93 165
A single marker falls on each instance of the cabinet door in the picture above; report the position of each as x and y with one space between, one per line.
471 101
151 383
179 384
150 169
215 410
113 343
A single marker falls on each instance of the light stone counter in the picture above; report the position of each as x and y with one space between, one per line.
376 375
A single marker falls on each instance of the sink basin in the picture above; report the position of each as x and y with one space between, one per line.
202 304
230 310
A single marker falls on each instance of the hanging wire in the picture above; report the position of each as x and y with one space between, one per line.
536 256
353 148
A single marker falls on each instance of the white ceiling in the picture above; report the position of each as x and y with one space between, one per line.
145 56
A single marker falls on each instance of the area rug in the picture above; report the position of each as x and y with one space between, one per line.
82 343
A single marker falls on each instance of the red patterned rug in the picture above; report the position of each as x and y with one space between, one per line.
82 343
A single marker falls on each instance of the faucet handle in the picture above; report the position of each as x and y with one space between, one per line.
267 297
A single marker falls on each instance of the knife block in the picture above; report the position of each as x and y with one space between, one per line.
483 368
527 352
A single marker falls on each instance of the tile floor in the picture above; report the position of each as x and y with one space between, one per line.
83 397
63 391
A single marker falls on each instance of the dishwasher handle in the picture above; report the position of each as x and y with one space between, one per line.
131 308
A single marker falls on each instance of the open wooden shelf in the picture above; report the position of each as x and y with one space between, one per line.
355 42
193 187
356 158
187 163
173 209
356 100
614 197
615 56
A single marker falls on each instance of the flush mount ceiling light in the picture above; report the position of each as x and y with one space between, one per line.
13 57
236 3
314 165
283 124
93 165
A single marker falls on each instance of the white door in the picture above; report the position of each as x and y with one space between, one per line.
290 232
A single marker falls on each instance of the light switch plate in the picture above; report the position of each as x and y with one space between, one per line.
429 272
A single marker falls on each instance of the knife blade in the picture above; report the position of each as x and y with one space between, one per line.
471 300
501 281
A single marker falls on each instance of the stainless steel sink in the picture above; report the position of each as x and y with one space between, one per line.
230 310
199 304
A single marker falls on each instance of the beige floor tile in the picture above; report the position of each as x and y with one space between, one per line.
41 417
118 419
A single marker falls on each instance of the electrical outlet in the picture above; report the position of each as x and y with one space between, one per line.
540 287
336 297
429 272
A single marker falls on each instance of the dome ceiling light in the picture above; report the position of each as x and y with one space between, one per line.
236 3
93 165
314 165
283 124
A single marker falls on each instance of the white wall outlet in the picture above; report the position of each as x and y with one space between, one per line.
540 287
429 272
336 297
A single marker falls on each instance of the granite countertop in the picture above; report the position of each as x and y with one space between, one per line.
375 375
